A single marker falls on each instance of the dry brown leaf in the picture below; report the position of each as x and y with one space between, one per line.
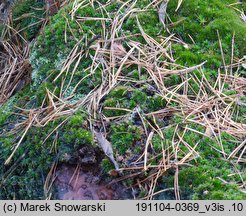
107 147
162 12
209 132
118 49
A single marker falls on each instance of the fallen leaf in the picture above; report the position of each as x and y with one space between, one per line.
107 147
118 49
162 12
209 132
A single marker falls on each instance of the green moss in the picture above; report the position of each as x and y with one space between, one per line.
148 21
123 97
201 21
4 114
205 179
240 110
124 137
199 183
107 165
27 17
52 48
27 179
157 142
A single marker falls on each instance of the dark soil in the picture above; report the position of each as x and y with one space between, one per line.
72 184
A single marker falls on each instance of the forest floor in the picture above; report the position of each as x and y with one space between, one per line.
123 99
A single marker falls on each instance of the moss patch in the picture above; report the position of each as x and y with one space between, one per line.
200 20
27 17
25 176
